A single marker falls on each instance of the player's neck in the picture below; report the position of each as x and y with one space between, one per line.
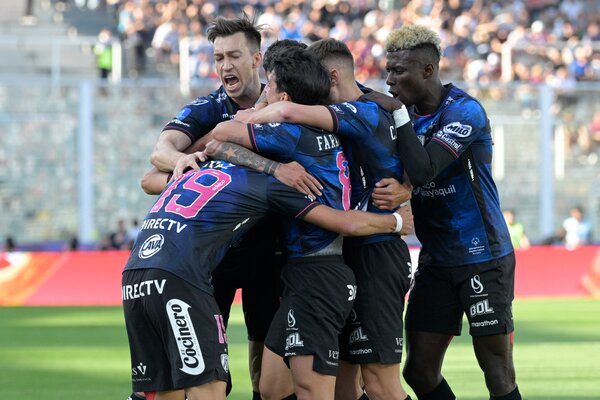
348 91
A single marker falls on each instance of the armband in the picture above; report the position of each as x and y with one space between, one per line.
401 116
399 222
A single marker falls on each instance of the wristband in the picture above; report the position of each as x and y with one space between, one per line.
407 202
399 222
401 116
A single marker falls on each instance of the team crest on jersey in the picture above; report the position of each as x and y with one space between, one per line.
457 129
151 246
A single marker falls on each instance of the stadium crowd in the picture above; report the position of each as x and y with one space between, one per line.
555 39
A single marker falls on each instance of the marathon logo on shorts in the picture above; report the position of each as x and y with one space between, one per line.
185 336
484 324
151 246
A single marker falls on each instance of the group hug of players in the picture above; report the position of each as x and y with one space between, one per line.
298 192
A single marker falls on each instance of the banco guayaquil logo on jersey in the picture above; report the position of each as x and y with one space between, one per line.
151 246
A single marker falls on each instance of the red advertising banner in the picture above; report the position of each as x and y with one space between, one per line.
94 278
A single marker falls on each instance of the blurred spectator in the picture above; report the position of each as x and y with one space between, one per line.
132 233
9 244
118 239
578 230
103 52
517 231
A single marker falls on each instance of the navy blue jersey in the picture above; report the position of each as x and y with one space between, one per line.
196 218
458 219
199 117
370 143
321 154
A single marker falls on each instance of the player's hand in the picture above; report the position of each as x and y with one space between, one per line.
244 115
294 175
189 161
408 224
386 102
389 193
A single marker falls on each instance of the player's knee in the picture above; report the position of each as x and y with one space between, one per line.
420 378
500 378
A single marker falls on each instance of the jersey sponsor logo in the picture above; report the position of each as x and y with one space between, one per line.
185 337
291 320
240 224
293 340
336 109
351 292
360 352
357 335
327 142
485 323
350 107
225 362
145 288
274 124
449 140
476 284
163 223
199 102
151 246
481 308
477 248
457 129
429 190
140 369
178 122
183 113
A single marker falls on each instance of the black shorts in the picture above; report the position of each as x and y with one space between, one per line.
484 292
374 331
318 294
176 333
253 265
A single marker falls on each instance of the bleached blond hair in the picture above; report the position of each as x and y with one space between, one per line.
410 37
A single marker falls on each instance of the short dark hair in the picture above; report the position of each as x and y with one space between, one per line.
301 76
276 47
222 26
332 50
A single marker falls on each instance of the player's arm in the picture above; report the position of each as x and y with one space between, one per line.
286 111
154 181
422 163
360 223
168 149
233 132
291 174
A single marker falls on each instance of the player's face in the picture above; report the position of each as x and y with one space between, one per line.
405 77
236 65
272 91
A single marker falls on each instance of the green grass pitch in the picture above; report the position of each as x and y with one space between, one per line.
81 353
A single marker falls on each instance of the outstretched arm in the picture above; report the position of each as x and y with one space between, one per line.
359 223
286 111
292 174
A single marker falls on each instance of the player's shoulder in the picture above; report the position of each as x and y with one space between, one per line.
461 105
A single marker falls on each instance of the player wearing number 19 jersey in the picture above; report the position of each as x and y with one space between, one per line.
176 332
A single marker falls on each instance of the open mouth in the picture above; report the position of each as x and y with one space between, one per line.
230 80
